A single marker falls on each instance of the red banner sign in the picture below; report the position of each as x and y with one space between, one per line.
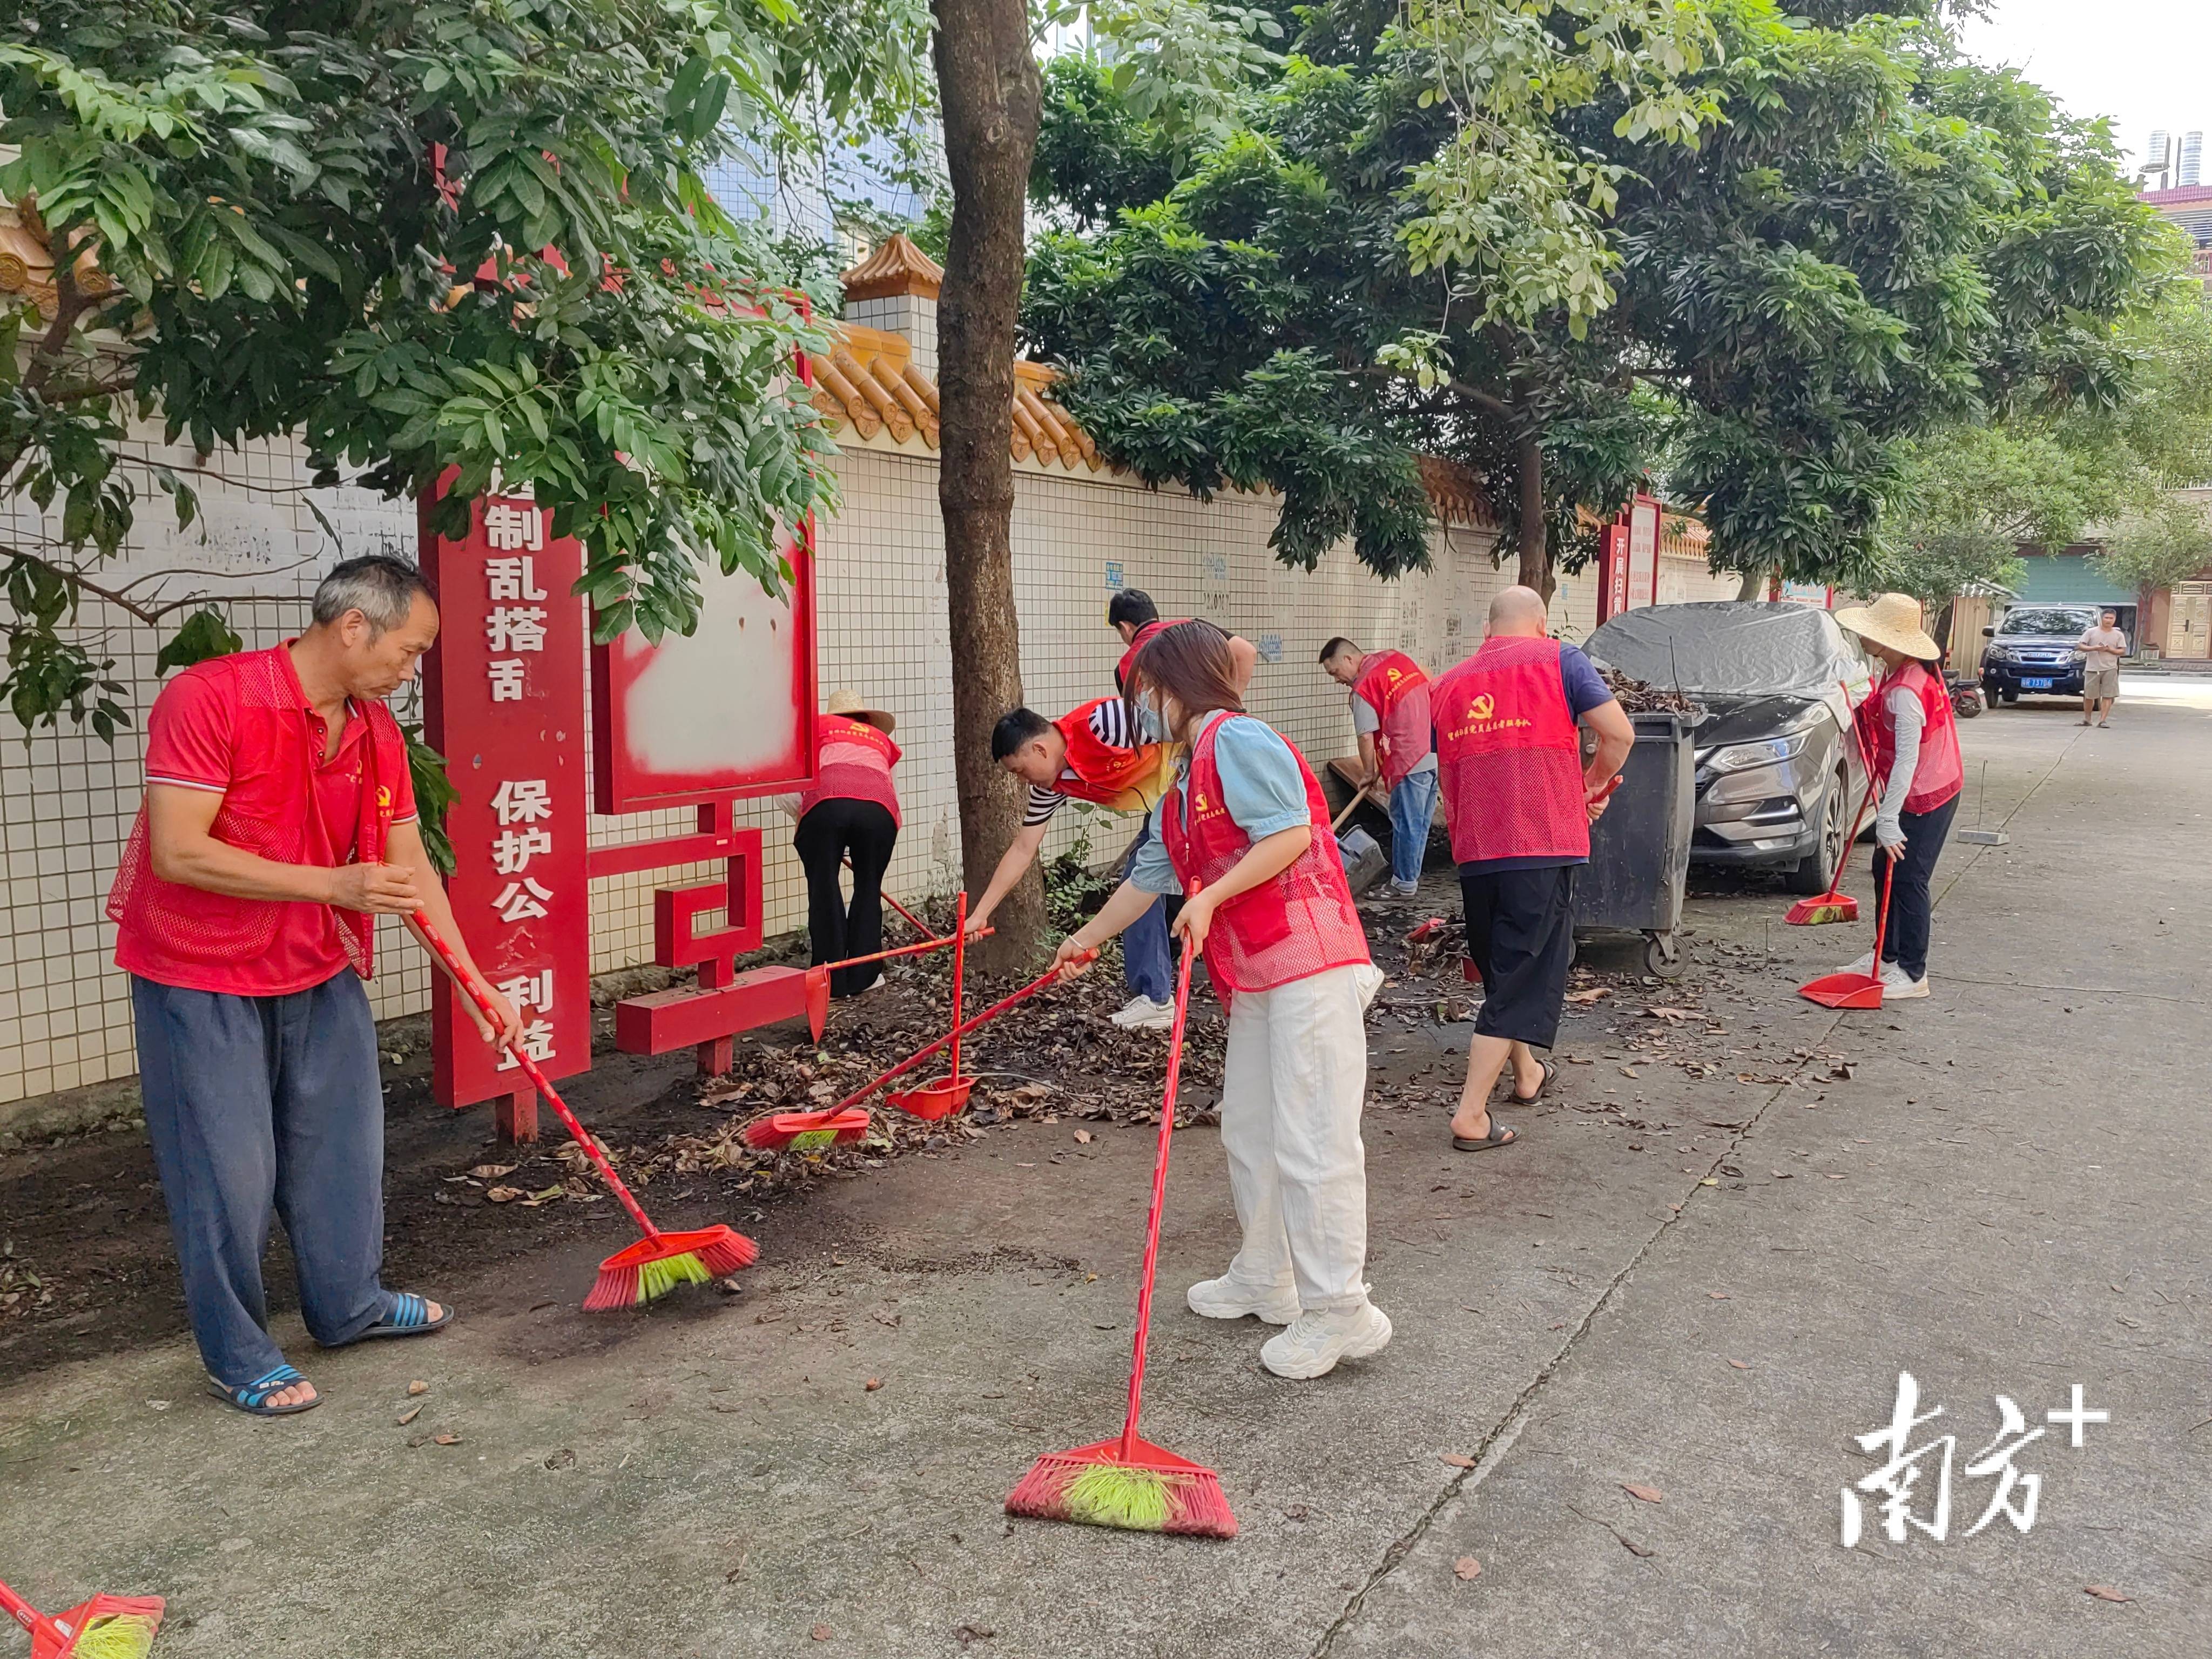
504 695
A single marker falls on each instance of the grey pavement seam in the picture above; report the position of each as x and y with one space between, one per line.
1494 1444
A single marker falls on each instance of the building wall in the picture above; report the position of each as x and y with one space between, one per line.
67 800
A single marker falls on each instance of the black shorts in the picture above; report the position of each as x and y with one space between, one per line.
1520 934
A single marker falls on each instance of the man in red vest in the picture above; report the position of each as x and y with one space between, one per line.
279 822
1397 747
1519 802
1089 755
1133 616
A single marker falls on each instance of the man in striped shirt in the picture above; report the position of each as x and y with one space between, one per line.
1088 755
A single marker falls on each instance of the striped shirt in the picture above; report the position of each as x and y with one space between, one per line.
1109 724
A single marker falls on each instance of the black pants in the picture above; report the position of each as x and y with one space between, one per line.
830 831
1520 934
1905 932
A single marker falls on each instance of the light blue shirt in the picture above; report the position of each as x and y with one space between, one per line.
1261 786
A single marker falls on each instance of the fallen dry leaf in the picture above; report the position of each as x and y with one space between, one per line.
1718 1295
418 1386
1590 994
1458 1460
1083 1137
2105 1593
1467 1567
448 1439
492 1171
1647 1494
874 1383
410 1415
968 1633
1739 1364
1667 1014
821 1632
1627 1072
544 1194
504 1194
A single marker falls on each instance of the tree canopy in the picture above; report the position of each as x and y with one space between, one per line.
425 234
1770 253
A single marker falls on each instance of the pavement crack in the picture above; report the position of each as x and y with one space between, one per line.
1490 1450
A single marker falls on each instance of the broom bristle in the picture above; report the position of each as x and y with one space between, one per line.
616 1287
775 1133
1810 915
121 1636
1132 1496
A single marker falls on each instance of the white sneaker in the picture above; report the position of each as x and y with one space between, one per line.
1229 1298
1315 1341
1370 979
1141 1013
1858 964
1897 984
1405 889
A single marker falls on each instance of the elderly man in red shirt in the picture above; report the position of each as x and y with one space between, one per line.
279 822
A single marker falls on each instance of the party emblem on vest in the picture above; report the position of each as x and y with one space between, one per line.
1482 706
383 800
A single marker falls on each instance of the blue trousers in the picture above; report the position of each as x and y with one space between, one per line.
1413 805
1147 964
262 1105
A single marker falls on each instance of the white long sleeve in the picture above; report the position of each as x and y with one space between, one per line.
1907 718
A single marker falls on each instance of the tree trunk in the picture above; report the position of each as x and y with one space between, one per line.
1535 542
989 84
1755 585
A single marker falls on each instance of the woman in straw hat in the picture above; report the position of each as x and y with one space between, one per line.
853 810
1913 740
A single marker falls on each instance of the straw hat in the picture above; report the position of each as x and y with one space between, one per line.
847 702
1893 620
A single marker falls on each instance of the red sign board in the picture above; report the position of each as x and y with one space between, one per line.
504 697
725 712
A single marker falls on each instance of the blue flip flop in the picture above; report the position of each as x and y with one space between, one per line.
252 1398
408 1315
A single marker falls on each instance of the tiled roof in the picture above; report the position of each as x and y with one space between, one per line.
1457 494
896 266
26 260
869 381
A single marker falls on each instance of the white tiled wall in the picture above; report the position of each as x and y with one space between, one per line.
66 801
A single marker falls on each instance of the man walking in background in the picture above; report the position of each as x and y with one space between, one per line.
2101 648
1520 804
1397 746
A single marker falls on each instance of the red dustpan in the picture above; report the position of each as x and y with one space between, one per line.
1855 990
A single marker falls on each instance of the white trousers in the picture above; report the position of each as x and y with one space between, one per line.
1293 1086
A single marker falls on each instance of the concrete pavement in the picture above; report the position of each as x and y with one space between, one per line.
1700 1274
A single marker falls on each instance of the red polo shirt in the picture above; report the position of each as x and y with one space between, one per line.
198 736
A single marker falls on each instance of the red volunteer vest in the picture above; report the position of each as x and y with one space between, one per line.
1137 643
273 814
1392 685
853 760
1126 780
1936 778
1511 754
1300 924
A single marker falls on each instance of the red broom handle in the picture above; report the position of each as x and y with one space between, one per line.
33 1621
577 1132
1881 920
933 943
966 1026
1159 1201
959 963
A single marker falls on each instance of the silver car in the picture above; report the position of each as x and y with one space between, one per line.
1778 773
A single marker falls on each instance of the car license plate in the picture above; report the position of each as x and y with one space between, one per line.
2036 685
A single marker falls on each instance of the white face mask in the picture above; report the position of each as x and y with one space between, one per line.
1151 725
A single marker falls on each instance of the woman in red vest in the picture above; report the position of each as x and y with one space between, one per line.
852 810
1245 824
1911 734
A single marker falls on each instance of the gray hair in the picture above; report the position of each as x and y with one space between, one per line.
382 589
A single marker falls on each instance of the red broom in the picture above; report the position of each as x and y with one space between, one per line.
817 978
106 1627
1836 905
1129 1482
780 1129
659 1261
